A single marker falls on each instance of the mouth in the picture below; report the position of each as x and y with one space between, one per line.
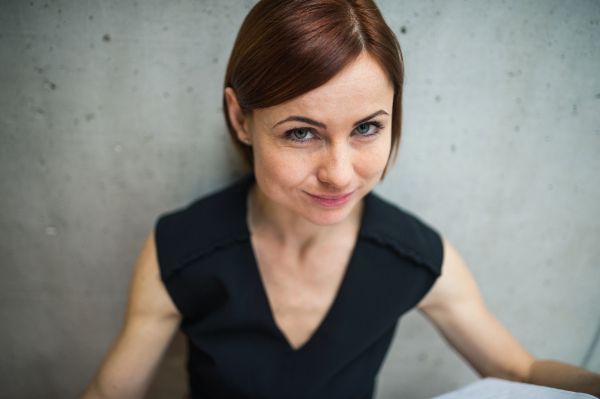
329 200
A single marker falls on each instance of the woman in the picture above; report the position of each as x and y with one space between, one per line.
290 282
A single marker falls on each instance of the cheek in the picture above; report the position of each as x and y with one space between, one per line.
372 162
278 169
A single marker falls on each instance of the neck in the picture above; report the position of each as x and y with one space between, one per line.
267 217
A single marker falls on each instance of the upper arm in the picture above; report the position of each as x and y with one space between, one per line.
148 296
456 307
151 321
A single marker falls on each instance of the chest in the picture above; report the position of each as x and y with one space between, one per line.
302 284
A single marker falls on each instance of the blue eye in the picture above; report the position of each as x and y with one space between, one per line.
368 128
300 133
363 128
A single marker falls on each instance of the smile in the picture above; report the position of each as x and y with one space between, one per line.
331 200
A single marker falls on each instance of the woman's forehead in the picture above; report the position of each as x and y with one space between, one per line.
363 87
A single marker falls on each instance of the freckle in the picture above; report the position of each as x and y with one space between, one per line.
453 148
106 37
215 60
438 99
403 29
91 17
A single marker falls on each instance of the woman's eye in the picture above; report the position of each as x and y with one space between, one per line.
366 128
301 133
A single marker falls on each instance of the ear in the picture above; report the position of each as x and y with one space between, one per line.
239 121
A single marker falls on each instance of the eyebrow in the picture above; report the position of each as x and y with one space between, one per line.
321 125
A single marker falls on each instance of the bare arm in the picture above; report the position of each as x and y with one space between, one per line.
455 306
151 321
564 376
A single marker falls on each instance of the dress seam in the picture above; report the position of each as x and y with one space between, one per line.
206 250
401 250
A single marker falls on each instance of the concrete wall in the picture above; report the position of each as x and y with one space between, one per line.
110 114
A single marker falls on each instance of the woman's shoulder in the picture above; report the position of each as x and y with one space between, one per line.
230 198
391 226
208 222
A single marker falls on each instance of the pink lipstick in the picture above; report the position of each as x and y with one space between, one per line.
331 200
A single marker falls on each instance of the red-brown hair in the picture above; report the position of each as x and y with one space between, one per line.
286 48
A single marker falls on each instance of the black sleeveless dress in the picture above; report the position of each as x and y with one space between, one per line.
235 348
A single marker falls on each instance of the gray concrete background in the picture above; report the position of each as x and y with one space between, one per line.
110 115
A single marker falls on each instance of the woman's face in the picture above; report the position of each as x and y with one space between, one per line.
319 154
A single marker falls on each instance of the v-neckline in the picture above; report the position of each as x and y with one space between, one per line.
334 304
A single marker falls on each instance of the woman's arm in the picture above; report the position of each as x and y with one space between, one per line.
564 376
455 306
151 321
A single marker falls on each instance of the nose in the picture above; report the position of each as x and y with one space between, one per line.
336 167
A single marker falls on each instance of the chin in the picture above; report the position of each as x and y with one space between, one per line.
328 217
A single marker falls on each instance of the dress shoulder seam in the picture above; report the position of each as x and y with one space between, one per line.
205 251
401 250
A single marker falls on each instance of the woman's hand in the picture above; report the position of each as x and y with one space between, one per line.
150 323
455 306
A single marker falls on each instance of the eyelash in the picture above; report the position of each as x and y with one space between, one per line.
289 134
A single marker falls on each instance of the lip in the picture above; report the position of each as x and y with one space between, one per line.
331 201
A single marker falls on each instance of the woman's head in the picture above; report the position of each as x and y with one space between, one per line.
286 48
